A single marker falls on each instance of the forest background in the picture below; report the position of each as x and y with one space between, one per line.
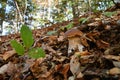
42 13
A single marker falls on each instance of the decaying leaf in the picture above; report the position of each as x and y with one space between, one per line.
116 63
102 44
46 47
84 53
114 71
112 57
9 68
84 41
61 38
8 54
39 71
94 24
75 66
93 35
66 67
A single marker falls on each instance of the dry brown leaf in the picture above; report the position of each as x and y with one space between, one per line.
60 38
112 57
75 65
116 63
8 54
38 70
65 70
114 71
84 53
102 44
92 35
58 67
9 68
46 47
94 24
52 39
47 76
107 27
84 41
0 40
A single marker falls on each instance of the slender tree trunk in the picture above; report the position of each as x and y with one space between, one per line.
75 11
2 14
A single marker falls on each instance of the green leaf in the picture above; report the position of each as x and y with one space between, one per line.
18 47
27 37
36 53
69 26
109 14
51 33
83 20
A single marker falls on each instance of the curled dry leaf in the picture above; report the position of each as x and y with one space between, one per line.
8 54
112 57
38 70
114 71
60 38
52 39
107 27
92 35
75 66
84 41
65 70
84 53
46 47
102 44
116 63
9 68
113 50
95 24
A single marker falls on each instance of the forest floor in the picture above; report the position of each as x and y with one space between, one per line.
92 55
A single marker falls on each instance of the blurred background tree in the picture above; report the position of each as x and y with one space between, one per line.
40 13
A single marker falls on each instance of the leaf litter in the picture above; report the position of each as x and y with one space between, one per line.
99 58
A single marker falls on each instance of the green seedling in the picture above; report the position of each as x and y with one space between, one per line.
109 14
26 47
69 26
51 33
83 20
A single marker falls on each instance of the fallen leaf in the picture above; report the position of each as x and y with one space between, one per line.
9 68
60 38
107 27
75 65
58 67
114 71
116 63
93 35
84 41
84 53
46 47
95 24
65 70
112 57
102 44
8 54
